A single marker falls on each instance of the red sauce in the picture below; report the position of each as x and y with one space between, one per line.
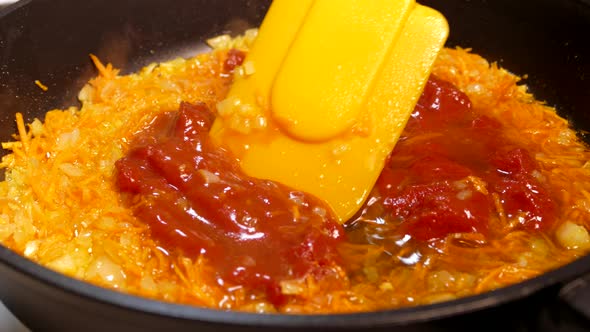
446 175
195 198
234 58
423 185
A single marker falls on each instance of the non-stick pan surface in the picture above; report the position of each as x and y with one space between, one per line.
548 40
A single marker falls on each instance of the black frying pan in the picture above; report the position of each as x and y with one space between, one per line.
50 40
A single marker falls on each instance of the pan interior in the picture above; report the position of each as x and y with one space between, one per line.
44 40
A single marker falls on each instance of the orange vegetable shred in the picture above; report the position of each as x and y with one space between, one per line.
60 205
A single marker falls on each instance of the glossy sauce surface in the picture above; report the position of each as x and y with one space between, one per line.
194 197
452 172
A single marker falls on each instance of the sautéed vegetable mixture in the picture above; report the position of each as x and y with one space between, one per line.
486 187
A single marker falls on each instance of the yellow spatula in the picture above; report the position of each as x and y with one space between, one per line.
325 92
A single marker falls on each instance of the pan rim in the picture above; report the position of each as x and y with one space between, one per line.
387 317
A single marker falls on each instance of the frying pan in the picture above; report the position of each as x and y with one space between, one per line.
50 41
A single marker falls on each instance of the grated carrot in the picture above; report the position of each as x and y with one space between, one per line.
41 85
59 205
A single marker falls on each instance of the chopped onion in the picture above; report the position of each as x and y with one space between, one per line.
573 236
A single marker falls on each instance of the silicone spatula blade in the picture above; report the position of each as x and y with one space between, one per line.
324 114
